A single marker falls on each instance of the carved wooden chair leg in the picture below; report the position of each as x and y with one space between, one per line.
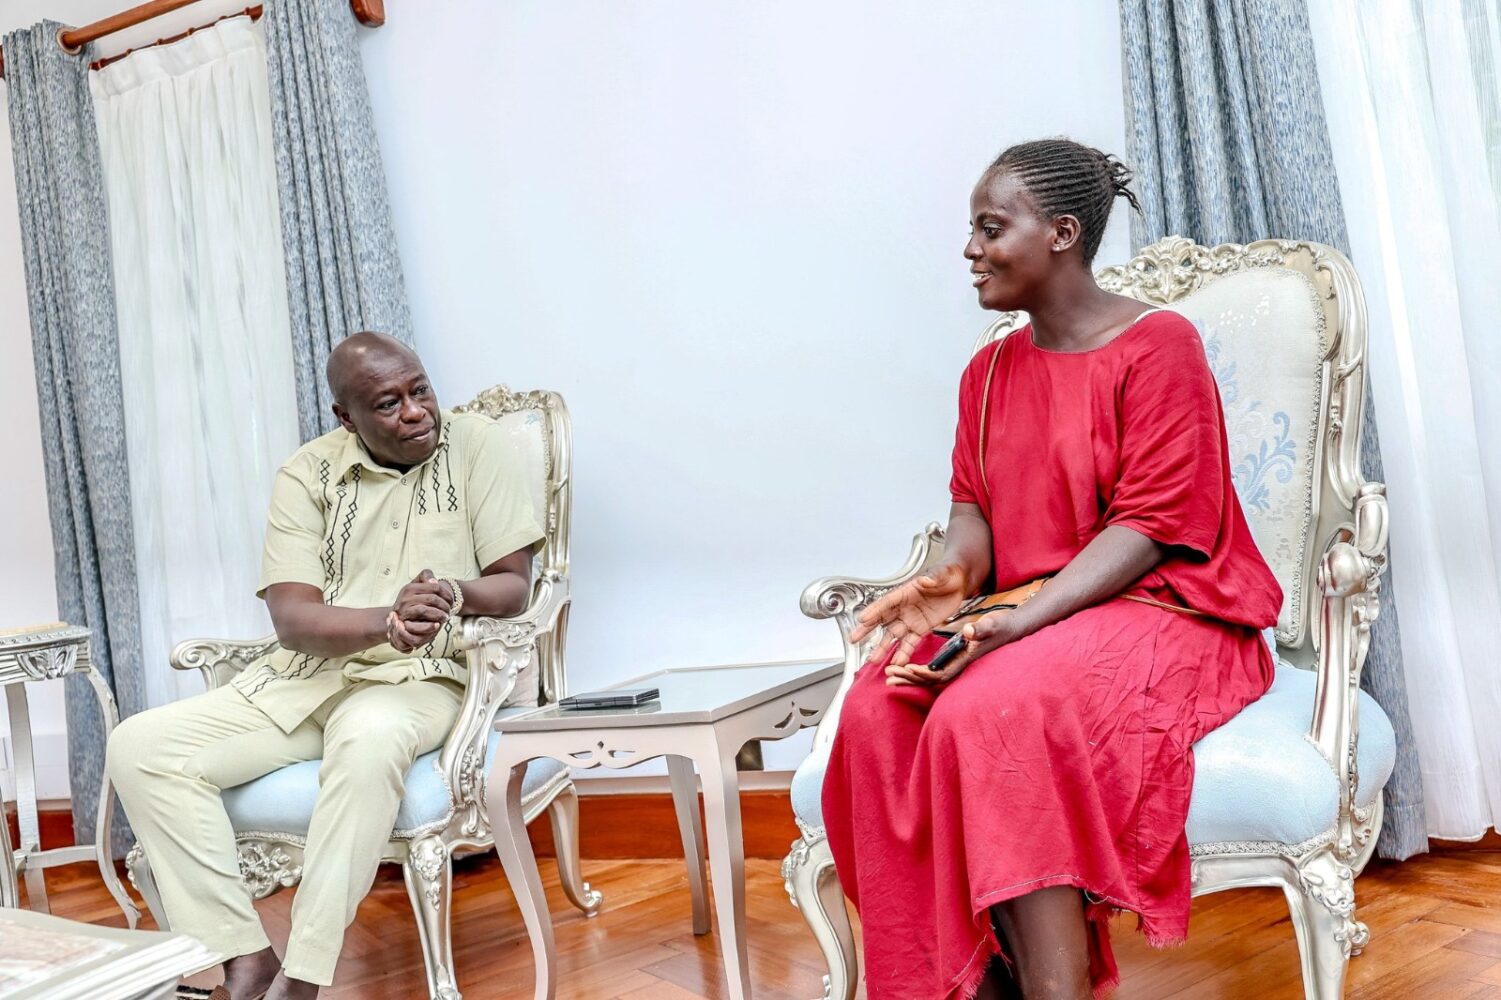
1321 898
814 888
139 870
429 877
563 811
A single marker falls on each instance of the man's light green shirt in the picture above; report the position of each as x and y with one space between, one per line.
360 532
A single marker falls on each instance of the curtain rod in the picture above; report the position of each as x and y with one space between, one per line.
368 12
254 13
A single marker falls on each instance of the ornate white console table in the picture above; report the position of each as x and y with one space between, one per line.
46 653
704 717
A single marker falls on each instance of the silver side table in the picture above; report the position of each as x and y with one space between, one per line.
43 654
48 958
704 717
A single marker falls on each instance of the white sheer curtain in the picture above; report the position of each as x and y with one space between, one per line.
205 350
1411 92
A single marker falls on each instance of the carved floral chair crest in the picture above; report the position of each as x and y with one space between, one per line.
1288 794
444 809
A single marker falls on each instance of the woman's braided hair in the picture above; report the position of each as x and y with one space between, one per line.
1070 178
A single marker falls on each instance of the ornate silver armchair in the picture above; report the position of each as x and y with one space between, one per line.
1288 794
444 809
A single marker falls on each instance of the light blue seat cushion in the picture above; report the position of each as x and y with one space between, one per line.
282 801
807 788
1260 778
1257 778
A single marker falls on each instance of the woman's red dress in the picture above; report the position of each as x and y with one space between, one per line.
1063 758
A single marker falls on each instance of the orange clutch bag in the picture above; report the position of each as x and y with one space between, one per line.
978 607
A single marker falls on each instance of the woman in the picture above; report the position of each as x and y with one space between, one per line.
1008 803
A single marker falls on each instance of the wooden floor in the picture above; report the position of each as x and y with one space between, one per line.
1435 934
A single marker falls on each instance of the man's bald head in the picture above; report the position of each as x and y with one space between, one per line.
382 395
356 354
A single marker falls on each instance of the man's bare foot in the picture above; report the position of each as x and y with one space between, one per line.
248 976
286 988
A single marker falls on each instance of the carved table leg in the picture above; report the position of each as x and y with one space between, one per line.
716 765
520 864
26 813
10 892
563 811
685 801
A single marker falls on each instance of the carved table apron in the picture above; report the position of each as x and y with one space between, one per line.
705 716
40 655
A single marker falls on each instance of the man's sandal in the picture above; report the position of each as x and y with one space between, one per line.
220 993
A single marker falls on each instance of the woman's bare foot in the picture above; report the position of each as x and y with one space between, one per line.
248 976
286 988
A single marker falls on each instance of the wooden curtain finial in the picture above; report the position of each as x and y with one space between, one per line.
371 13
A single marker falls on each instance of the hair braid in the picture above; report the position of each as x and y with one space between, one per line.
1069 178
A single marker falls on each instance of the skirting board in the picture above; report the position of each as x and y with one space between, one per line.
644 825
54 820
617 824
633 821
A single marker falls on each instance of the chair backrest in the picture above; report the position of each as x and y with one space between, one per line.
539 433
1284 328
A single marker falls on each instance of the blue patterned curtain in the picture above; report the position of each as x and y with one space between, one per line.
343 271
70 294
1225 129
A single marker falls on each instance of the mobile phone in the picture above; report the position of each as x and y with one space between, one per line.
948 652
617 698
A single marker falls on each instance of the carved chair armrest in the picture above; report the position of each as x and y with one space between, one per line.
842 598
498 650
1350 581
219 660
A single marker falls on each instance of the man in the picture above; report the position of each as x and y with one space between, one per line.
368 677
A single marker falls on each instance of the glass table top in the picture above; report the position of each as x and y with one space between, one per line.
688 695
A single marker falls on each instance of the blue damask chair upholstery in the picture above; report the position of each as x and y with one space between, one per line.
1287 794
514 663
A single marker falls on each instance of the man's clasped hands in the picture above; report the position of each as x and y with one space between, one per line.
418 612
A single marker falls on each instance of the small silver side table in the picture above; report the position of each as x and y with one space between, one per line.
48 958
43 654
705 716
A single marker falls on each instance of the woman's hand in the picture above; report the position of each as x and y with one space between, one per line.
911 611
980 637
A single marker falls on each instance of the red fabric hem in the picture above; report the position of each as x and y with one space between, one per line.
1096 911
973 978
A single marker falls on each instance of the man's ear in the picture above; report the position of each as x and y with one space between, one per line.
342 416
1066 232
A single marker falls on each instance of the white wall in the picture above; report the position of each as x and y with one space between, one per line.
730 234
